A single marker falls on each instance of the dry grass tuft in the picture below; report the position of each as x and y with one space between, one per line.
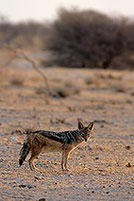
17 81
65 91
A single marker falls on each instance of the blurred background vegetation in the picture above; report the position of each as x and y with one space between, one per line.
84 39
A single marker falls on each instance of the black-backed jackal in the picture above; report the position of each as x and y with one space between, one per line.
47 141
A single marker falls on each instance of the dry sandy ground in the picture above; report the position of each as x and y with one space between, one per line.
102 168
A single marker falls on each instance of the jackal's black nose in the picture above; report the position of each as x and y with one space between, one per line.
85 140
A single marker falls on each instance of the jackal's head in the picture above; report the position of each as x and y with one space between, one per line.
85 131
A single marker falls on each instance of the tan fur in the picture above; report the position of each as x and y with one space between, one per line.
37 143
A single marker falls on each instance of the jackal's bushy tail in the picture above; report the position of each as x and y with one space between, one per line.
24 152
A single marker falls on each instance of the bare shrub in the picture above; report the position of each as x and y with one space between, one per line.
89 80
88 39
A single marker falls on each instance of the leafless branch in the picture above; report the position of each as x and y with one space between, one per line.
17 53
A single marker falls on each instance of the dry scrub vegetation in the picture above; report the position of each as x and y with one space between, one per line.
76 39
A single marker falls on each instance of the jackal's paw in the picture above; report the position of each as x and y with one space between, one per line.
35 168
65 170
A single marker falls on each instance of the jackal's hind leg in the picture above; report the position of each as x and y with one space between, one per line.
31 163
34 155
63 160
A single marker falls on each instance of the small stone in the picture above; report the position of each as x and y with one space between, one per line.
42 199
79 118
26 185
71 175
3 172
128 147
22 186
37 178
13 138
30 186
96 158
128 165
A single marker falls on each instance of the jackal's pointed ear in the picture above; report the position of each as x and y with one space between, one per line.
80 125
90 126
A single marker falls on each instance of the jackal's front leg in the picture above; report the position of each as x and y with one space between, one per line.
66 159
